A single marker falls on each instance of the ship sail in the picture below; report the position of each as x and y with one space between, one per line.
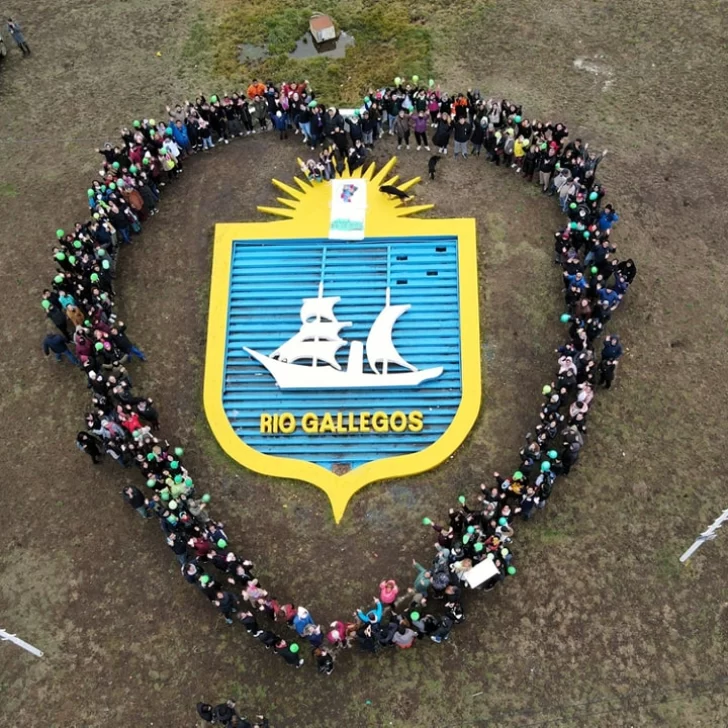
318 338
380 347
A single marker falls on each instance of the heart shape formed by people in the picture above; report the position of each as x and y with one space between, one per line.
474 549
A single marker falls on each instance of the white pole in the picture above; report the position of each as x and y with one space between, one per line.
708 535
7 637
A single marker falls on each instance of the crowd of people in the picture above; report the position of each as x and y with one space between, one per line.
226 714
125 426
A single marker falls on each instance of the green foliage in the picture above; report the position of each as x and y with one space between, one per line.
389 41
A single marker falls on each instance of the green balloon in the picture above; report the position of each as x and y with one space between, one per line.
461 500
466 538
572 205
120 183
294 648
517 119
511 570
213 98
546 389
431 82
397 81
98 346
60 256
174 464
188 482
312 104
478 547
565 318
204 579
72 259
178 451
205 498
593 196
112 186
150 456
58 279
505 552
115 165
77 244
90 192
518 475
171 518
426 521
594 270
552 454
60 233
543 146
94 277
471 529
172 504
221 543
45 303
415 79
178 479
414 616
133 169
164 495
136 123
145 160
151 483
545 466
502 521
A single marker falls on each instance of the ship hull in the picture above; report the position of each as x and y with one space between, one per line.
298 376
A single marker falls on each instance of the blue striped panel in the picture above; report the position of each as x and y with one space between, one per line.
268 280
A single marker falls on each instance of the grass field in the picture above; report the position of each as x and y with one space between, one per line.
602 627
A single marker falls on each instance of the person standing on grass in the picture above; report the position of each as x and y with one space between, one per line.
16 33
56 343
401 127
227 603
462 136
607 371
134 497
441 137
545 169
420 126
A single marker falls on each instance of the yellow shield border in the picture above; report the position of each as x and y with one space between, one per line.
384 218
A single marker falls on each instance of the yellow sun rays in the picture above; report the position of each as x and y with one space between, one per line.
313 197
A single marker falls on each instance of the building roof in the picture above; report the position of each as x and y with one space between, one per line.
320 22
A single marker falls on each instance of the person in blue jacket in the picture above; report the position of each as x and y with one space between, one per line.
612 349
374 616
56 343
179 134
280 121
607 219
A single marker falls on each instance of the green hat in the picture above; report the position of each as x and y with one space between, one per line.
150 456
58 279
518 475
565 318
45 303
94 277
397 81
60 255
178 479
60 233
164 494
593 196
90 192
133 169
136 123
426 521
415 79
471 529
517 119
205 498
151 483
204 579
221 543
213 98
511 570
414 616
172 505
478 547
115 165
98 346
294 648
461 500
174 464
179 452
502 521
546 389
552 454
171 518
545 466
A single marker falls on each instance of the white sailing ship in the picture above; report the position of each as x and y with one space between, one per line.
319 340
